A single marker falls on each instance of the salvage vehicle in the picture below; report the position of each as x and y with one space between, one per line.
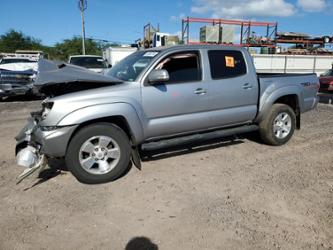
14 83
99 122
14 60
22 60
16 76
326 81
91 62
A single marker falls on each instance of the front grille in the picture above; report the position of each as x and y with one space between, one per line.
15 78
16 82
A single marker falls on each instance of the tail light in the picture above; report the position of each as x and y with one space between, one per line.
330 86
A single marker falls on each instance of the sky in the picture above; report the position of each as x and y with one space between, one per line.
123 21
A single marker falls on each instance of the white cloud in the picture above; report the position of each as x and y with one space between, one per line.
244 8
180 4
177 18
312 5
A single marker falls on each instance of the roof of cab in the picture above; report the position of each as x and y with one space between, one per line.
85 56
196 47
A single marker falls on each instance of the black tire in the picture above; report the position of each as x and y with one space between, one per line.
100 129
266 127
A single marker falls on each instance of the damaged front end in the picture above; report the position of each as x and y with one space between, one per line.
43 136
28 153
37 141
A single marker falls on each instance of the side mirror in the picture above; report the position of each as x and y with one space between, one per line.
109 66
158 76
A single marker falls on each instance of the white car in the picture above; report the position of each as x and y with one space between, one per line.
92 62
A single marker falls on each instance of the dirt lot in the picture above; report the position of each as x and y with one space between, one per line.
223 194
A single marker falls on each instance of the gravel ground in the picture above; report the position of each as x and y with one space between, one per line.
223 194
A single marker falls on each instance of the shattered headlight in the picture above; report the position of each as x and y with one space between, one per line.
49 128
47 107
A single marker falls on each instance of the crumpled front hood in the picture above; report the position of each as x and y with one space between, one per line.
56 79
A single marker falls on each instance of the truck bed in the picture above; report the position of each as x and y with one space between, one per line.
305 86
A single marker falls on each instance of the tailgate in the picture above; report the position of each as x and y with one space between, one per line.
310 86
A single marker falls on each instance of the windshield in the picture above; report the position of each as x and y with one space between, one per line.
89 62
15 60
328 73
130 68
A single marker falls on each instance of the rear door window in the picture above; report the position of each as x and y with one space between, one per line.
226 64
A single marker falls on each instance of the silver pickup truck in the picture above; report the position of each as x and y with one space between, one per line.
98 122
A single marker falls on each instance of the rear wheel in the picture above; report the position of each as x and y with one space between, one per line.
279 125
98 153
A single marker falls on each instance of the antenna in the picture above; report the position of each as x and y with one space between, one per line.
82 4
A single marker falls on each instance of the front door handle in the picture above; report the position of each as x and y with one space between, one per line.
247 86
200 91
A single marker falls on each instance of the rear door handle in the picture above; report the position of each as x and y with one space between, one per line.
247 86
200 91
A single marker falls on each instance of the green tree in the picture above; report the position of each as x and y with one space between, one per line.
15 40
73 46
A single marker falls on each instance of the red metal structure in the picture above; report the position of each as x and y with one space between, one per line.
246 38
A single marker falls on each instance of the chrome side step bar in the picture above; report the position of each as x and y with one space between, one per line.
198 137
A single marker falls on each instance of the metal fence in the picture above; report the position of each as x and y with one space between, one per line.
292 63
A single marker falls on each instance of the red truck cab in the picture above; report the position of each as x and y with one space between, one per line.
326 81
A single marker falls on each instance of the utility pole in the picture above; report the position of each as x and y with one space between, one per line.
82 7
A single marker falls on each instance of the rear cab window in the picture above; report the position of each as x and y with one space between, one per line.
89 62
182 67
226 64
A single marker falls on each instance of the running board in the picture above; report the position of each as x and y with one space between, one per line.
166 143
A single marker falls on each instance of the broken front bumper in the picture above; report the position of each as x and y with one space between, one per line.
7 90
35 145
52 143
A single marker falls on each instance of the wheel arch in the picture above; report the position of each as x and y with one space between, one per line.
289 96
117 120
121 114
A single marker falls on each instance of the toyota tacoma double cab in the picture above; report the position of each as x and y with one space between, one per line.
98 122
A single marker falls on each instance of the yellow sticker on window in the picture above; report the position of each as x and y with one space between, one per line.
230 61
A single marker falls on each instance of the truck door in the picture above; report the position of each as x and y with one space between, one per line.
177 105
233 87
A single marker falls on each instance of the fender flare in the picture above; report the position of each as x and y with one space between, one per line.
268 99
108 110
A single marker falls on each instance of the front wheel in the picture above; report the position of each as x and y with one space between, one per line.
279 125
98 153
